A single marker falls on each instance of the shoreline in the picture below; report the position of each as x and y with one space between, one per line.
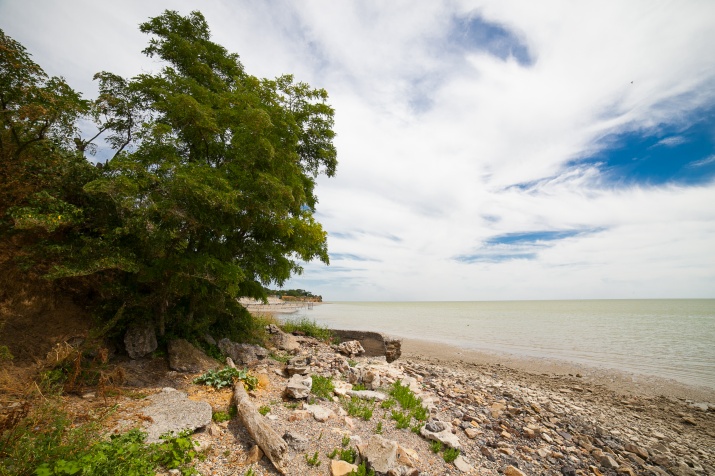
618 381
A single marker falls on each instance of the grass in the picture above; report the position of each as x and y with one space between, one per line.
402 420
313 460
359 408
345 441
362 471
389 403
264 410
308 327
44 441
378 428
219 417
344 454
435 446
450 454
322 386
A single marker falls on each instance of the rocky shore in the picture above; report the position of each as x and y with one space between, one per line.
502 420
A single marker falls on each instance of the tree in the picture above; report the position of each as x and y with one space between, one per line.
209 195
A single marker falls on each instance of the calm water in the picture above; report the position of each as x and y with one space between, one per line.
667 338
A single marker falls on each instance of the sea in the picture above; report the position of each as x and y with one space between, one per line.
667 338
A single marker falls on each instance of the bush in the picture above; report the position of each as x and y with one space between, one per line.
358 407
450 454
226 378
322 386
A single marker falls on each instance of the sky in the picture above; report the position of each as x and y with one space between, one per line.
488 150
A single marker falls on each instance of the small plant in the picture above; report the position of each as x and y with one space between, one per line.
345 441
291 405
313 460
333 453
348 454
362 471
322 386
402 420
219 417
352 363
378 428
250 472
308 327
450 454
232 411
409 401
435 446
264 410
226 378
416 428
280 357
359 386
389 403
359 408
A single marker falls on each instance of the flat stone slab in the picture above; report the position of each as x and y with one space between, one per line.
172 411
367 395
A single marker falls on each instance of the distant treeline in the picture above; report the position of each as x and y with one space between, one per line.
291 292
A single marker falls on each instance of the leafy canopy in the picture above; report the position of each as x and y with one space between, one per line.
209 194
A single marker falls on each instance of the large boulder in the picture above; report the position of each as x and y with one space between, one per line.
441 431
282 340
172 412
350 348
374 343
140 340
242 354
184 357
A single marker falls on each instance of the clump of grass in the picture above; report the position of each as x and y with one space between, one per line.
359 386
264 410
308 327
389 403
345 441
378 428
435 446
416 429
313 460
322 387
345 454
359 408
402 420
450 454
362 471
281 357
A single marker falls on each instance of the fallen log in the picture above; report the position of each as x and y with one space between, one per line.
273 446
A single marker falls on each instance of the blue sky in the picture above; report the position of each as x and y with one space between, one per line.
488 150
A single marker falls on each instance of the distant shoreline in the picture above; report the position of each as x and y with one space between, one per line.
276 306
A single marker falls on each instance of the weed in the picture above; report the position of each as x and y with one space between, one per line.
359 386
408 401
308 327
416 429
362 471
435 446
345 441
359 408
389 403
333 453
348 454
322 386
378 428
264 410
352 363
312 460
250 472
450 454
226 378
280 357
291 405
402 420
218 417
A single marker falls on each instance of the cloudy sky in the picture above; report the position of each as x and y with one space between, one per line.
488 150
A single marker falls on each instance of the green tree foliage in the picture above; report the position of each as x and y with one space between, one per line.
209 194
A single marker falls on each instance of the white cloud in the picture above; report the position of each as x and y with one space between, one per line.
432 136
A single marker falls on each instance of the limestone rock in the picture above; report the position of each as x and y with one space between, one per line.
242 354
254 455
608 462
299 386
282 340
637 450
367 395
441 431
299 365
320 413
140 340
512 471
393 349
350 348
295 441
380 454
462 464
172 411
184 357
341 468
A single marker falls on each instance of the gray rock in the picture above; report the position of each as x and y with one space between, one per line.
350 348
242 354
184 357
320 413
367 395
393 349
171 411
462 464
299 365
380 454
140 340
295 441
441 431
282 340
607 461
299 386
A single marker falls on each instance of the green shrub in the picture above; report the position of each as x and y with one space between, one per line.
312 460
389 403
345 441
378 428
435 446
362 471
322 386
358 408
264 410
219 417
408 401
402 420
450 454
226 378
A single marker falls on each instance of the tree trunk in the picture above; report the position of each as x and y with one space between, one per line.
273 446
